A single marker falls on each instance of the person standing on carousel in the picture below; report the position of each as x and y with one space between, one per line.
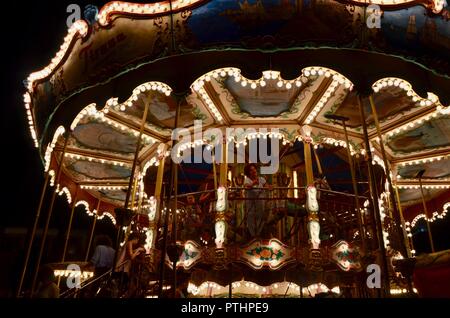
255 207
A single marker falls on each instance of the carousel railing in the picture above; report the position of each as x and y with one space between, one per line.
98 281
284 215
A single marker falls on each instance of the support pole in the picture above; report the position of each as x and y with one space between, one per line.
133 169
430 236
362 232
173 170
33 233
394 204
69 227
49 216
408 247
373 190
174 228
92 231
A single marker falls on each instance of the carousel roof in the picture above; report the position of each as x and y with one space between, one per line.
244 64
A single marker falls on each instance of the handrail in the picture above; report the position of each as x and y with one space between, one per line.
72 291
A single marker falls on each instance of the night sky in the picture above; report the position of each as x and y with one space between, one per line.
31 35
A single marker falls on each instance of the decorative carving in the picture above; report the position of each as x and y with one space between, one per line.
346 256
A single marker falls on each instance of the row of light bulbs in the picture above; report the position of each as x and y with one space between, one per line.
213 109
425 186
141 9
322 102
99 187
27 103
313 288
94 212
424 160
91 111
67 193
409 237
404 85
338 143
435 5
93 159
439 111
70 273
436 215
141 89
80 28
48 152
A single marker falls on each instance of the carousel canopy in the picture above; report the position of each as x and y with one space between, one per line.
249 64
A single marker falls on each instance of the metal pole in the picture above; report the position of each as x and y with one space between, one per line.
430 236
408 248
133 169
69 227
33 233
92 231
49 216
174 228
166 217
373 190
355 189
136 155
396 213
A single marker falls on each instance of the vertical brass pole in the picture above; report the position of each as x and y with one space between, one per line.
92 231
430 236
158 188
69 227
49 216
174 228
405 236
33 233
133 194
373 190
133 169
395 211
362 232
173 170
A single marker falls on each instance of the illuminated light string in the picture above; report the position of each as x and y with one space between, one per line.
141 9
435 215
73 273
93 159
198 85
424 160
141 89
104 187
67 193
94 212
425 186
437 113
48 152
398 291
52 177
383 198
247 287
404 85
79 28
435 5
31 125
91 111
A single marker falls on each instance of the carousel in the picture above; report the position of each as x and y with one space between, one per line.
259 148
